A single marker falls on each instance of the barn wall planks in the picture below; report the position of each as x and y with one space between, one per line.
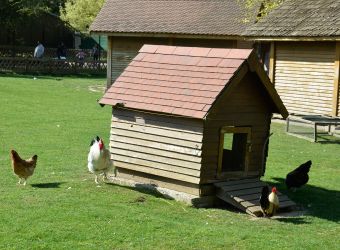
155 144
304 76
246 105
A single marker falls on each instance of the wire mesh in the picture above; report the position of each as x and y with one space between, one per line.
314 128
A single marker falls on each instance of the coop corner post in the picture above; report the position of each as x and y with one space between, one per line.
335 102
109 62
272 62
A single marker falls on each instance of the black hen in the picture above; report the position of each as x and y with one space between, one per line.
264 201
299 176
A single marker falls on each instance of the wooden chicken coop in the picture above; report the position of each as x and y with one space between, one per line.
189 119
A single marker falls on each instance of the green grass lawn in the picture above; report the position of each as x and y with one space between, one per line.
61 207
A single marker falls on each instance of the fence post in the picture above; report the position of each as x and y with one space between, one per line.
26 65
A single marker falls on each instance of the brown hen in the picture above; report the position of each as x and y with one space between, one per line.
23 168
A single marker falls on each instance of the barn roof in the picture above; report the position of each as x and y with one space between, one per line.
304 19
190 17
183 81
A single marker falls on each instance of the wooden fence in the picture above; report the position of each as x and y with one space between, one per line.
27 52
51 66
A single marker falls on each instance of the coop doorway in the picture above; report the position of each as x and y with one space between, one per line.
235 147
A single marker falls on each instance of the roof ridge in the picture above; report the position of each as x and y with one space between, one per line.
224 53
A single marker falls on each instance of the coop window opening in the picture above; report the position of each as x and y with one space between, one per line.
234 150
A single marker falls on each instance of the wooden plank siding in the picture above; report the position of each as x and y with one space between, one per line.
159 181
304 76
246 105
155 144
123 50
119 61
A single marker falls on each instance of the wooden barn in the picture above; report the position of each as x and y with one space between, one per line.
131 24
184 118
302 42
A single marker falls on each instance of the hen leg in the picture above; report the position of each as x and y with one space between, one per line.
104 177
19 182
24 182
96 180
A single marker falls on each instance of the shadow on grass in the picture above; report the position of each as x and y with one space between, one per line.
322 138
293 220
317 201
148 189
329 142
48 185
325 138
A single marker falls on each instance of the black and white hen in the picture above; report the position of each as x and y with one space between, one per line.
264 202
269 201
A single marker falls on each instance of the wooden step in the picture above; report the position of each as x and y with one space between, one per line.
245 193
233 182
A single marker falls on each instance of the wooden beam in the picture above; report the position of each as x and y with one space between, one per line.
335 102
272 62
109 63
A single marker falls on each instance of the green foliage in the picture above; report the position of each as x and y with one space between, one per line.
61 207
13 12
9 13
81 13
259 8
38 6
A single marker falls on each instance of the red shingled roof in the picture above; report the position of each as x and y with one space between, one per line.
181 81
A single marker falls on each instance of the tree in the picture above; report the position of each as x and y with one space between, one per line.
15 12
80 13
12 10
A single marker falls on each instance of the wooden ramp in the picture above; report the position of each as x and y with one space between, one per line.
244 194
